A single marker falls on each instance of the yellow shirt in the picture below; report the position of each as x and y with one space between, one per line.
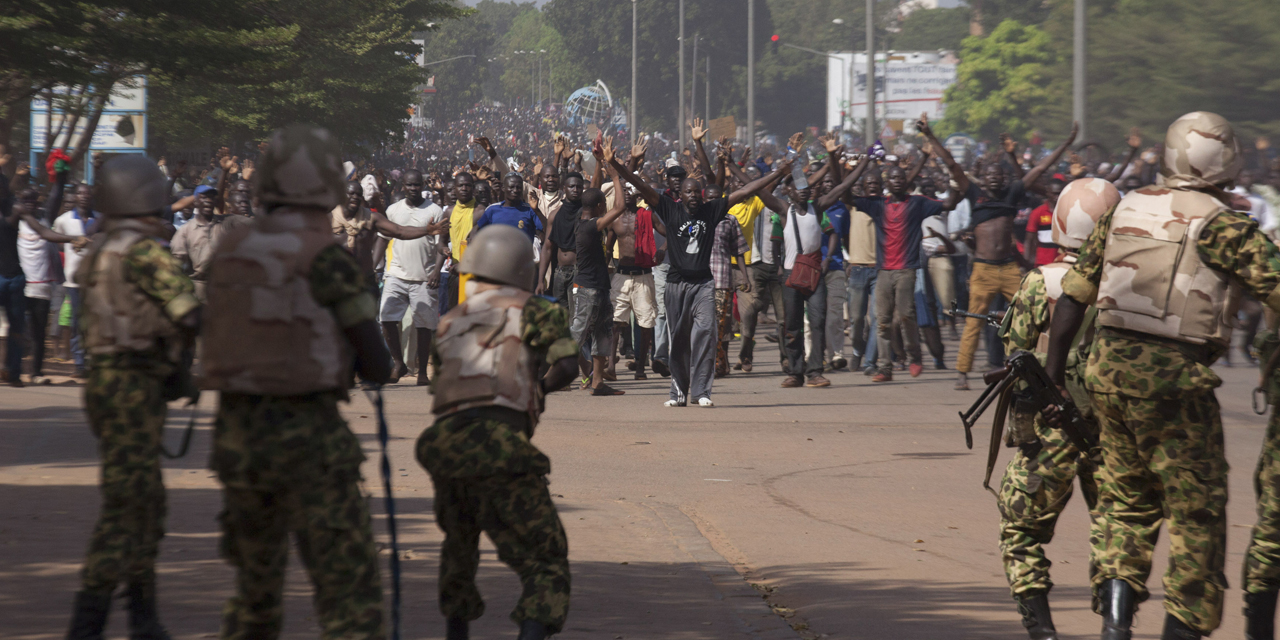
461 220
746 212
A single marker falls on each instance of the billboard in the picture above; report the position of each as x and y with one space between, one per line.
122 127
907 84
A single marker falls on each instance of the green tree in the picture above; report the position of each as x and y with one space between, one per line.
932 29
1000 82
459 83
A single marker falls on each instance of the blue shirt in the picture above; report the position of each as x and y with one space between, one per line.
521 217
838 216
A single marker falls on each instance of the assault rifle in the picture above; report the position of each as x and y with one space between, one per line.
1042 394
990 318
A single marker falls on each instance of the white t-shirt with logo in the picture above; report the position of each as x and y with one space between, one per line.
414 260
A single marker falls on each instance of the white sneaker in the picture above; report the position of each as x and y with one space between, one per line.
40 380
705 402
673 403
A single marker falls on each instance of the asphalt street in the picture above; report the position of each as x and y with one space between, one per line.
853 511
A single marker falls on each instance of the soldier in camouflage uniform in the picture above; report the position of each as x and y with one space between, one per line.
289 311
1039 479
138 308
1262 557
488 477
1158 268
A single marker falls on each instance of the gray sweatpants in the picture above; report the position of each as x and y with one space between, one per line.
691 325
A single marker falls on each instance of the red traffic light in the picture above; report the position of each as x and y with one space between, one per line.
775 38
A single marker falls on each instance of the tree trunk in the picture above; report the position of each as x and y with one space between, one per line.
975 18
91 125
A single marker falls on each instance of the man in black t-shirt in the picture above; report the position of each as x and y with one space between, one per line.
690 292
593 309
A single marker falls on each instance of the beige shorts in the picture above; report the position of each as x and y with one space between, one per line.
634 294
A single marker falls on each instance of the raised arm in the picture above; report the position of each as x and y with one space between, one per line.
1052 159
1010 148
619 202
752 187
1135 142
829 198
953 167
643 189
698 131
637 157
915 171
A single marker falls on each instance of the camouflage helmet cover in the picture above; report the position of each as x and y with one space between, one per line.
501 253
1200 150
131 185
302 167
1080 206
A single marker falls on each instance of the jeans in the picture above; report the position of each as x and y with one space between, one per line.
661 337
837 294
987 281
797 307
862 311
15 310
77 338
766 287
896 302
691 310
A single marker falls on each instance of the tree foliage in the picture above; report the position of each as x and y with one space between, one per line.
1000 82
459 83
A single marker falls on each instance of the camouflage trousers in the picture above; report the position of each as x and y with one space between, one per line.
1163 459
1037 485
517 514
291 466
1262 558
126 410
724 327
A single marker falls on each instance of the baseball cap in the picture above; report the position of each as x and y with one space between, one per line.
204 188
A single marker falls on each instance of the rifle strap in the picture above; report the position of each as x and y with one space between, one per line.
375 397
997 434
186 436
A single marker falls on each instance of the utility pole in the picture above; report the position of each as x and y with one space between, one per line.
707 114
869 130
751 72
693 77
539 80
680 109
1078 88
631 121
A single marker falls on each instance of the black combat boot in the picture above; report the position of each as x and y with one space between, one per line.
1175 629
1117 609
1036 617
457 629
90 616
143 623
1260 615
531 630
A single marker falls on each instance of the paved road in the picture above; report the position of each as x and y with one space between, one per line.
848 512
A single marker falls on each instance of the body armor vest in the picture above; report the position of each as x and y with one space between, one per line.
1053 274
484 361
264 332
1152 278
119 316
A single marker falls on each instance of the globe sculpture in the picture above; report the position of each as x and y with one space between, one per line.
590 105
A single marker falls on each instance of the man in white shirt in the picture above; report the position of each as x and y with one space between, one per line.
412 277
81 220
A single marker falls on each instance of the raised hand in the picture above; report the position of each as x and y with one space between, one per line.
698 129
922 125
639 150
247 173
796 140
485 144
224 159
1007 143
830 143
235 166
1135 140
559 145
606 149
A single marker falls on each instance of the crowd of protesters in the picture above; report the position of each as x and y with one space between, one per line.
662 255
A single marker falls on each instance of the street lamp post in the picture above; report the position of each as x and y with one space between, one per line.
751 72
849 108
680 97
1078 80
707 113
631 122
693 77
869 132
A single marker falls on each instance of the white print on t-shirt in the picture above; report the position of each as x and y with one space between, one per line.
694 231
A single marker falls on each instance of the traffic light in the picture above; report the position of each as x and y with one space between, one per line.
773 41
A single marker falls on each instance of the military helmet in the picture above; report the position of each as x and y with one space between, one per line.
501 253
1080 205
131 185
301 167
1200 150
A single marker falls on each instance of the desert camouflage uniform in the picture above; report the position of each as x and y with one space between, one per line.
1161 432
1038 482
290 464
124 397
724 325
1262 557
489 477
